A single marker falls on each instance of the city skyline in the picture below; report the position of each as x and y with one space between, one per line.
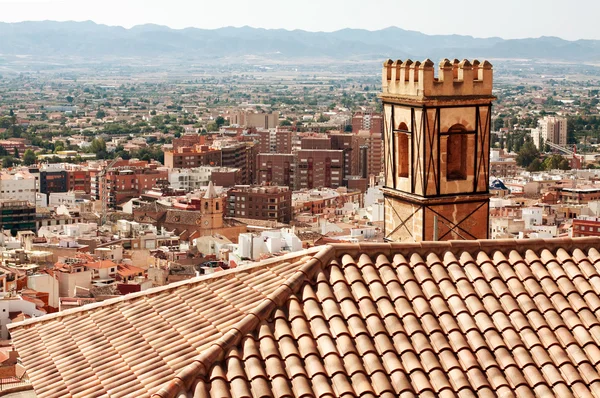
534 18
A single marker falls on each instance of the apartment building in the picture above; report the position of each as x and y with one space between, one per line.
127 183
18 185
190 157
240 156
260 203
552 129
319 168
368 121
275 169
255 119
374 153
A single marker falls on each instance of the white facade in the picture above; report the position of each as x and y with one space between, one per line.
535 137
69 230
373 195
68 199
69 280
15 304
253 246
113 253
553 129
190 179
45 283
532 216
18 186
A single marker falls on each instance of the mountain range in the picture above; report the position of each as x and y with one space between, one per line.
91 40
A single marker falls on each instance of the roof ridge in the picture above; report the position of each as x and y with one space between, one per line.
471 246
199 367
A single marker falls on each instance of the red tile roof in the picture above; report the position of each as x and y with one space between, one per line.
475 318
102 264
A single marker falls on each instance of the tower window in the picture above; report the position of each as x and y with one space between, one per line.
456 153
402 143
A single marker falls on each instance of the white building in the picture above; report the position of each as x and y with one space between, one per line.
18 186
45 283
553 129
253 246
532 216
535 137
190 179
11 303
69 199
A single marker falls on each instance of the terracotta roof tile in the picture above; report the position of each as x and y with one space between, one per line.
437 319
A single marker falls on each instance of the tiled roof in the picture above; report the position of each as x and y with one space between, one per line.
434 319
130 346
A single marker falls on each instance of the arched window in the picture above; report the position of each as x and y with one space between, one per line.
456 153
205 205
217 206
402 152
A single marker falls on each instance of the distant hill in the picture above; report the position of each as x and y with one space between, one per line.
91 40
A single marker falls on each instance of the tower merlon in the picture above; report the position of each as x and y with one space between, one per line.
455 78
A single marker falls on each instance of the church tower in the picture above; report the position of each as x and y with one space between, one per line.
211 209
437 146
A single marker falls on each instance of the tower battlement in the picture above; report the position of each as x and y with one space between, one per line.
455 78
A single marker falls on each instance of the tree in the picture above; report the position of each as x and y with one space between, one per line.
556 161
16 153
98 146
285 123
527 154
8 161
59 146
348 128
29 157
220 121
100 114
536 165
323 118
70 99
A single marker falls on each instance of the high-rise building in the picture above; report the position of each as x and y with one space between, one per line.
316 168
374 149
553 129
275 169
437 149
368 121
53 178
343 142
240 156
274 141
255 119
17 215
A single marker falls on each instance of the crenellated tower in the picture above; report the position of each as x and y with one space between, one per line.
437 145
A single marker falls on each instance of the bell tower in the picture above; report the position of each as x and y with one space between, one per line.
211 209
437 146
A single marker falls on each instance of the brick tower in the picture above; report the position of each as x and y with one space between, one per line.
437 145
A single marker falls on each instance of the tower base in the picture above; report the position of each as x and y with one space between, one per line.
410 218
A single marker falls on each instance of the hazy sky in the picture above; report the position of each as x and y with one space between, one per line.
574 19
